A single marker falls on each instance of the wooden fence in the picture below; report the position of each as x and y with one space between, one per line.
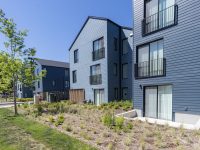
77 95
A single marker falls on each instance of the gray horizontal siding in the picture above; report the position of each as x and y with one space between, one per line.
182 53
93 30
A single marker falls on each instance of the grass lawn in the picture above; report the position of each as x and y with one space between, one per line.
18 133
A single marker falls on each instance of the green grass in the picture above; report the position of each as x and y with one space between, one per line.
18 133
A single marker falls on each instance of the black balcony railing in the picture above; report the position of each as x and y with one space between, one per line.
153 68
163 19
96 79
98 54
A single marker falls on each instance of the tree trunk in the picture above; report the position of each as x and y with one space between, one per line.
14 95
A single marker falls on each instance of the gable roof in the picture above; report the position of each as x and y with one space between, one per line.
52 63
97 18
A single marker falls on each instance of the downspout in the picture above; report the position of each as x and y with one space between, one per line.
120 63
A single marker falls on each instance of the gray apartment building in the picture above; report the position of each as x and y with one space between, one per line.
101 61
166 59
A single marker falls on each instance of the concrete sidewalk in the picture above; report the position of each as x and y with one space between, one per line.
11 104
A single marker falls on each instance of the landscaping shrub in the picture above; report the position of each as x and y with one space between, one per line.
51 119
119 122
108 119
53 108
68 128
125 105
39 109
25 106
129 126
24 99
73 111
60 120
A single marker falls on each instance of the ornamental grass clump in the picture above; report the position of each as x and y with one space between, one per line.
108 119
119 123
60 120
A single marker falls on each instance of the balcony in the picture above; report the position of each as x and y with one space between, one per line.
149 69
98 54
161 20
96 79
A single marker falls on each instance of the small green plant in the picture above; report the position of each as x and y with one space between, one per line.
108 119
25 105
24 99
119 122
142 143
68 128
128 141
73 111
129 125
105 135
86 136
51 119
110 146
60 120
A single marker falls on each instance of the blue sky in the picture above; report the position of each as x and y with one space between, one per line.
53 24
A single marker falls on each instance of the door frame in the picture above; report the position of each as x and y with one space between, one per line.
144 96
94 94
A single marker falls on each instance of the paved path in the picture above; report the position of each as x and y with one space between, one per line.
9 104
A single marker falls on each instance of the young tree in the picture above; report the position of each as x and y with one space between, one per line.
5 76
15 59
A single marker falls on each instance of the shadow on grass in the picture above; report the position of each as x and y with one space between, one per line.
49 137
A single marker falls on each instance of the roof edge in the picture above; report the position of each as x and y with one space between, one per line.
98 18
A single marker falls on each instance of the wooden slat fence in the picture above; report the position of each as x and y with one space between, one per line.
77 95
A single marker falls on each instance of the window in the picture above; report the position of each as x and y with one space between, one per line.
125 47
38 84
95 75
53 83
66 72
38 71
115 69
66 84
95 70
116 93
74 76
98 44
115 44
125 71
158 14
150 59
75 56
158 102
125 93
98 49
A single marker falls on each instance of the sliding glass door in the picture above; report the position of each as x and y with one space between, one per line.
151 102
98 96
165 102
158 102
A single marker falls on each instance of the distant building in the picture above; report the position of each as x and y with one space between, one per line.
101 62
55 85
24 91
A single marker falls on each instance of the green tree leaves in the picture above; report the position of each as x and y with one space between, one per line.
17 63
